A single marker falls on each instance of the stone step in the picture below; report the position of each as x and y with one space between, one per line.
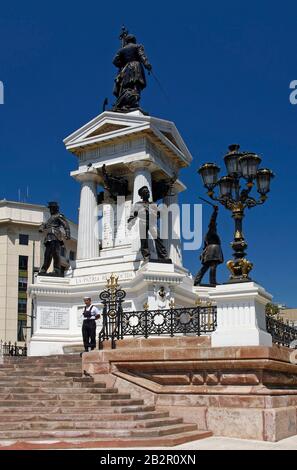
93 433
73 410
23 397
74 443
42 383
90 384
74 349
48 399
42 363
39 376
164 430
47 417
35 367
60 358
67 383
56 390
41 372
73 374
70 403
88 425
69 395
160 342
83 379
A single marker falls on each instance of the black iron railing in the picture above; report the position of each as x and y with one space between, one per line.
281 333
186 320
112 299
196 321
12 349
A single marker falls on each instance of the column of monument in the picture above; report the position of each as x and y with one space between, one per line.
88 234
142 177
173 241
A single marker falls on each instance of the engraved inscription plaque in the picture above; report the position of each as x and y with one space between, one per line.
54 317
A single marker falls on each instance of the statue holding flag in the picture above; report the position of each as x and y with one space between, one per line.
130 81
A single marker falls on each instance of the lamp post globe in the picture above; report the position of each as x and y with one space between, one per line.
236 198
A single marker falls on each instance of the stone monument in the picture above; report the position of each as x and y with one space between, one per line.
118 152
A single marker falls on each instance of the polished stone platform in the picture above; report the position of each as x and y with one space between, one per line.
245 392
49 403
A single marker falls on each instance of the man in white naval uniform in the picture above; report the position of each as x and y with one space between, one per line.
89 317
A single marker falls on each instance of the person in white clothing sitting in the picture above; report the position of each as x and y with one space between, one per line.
89 316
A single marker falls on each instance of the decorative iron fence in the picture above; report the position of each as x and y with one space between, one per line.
12 349
117 324
186 320
281 332
112 299
194 321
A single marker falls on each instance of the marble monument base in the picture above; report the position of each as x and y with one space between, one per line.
58 302
244 392
241 319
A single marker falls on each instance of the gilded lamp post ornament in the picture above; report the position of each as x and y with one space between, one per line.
112 282
240 165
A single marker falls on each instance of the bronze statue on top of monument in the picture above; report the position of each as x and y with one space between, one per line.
130 81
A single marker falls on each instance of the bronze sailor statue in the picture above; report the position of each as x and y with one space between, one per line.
56 229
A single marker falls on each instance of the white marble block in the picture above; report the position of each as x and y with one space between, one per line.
241 317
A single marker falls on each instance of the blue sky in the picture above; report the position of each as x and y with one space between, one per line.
226 68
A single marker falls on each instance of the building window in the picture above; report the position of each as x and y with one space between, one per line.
22 296
23 239
22 305
23 263
72 255
23 283
63 251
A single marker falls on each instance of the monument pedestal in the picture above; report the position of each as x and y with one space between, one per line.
142 150
241 319
58 302
243 392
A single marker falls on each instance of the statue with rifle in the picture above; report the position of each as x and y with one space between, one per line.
212 254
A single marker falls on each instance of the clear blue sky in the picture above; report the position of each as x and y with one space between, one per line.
226 68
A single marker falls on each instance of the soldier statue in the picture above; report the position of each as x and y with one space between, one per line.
163 188
130 81
147 213
212 254
115 185
54 228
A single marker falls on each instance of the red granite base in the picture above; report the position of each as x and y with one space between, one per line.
245 392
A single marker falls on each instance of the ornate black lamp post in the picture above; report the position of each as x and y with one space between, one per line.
235 198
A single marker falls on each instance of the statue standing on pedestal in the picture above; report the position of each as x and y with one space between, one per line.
56 228
163 188
212 254
147 213
130 81
115 185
